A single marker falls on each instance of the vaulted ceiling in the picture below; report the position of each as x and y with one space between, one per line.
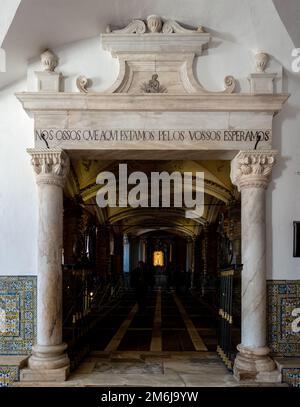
218 193
39 24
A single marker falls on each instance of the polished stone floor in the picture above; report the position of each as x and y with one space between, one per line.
170 342
163 369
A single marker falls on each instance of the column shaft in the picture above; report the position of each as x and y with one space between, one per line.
49 293
254 267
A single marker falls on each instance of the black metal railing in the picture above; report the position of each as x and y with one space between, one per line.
229 314
86 299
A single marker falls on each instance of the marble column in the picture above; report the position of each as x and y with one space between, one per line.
250 171
49 360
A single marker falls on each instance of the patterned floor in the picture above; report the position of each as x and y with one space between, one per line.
168 323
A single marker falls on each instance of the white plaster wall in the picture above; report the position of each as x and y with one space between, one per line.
84 57
18 195
18 200
283 195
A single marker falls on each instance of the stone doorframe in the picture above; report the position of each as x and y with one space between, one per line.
157 93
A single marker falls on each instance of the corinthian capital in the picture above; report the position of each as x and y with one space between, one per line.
50 166
252 169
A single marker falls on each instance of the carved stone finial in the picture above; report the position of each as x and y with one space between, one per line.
49 61
154 24
82 84
261 61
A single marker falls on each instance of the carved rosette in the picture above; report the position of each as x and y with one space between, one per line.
50 166
253 168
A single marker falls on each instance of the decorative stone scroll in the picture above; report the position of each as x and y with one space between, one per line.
50 166
134 27
154 24
82 84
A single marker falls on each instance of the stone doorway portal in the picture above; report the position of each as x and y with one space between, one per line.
157 107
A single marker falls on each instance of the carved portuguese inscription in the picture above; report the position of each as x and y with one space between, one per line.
215 138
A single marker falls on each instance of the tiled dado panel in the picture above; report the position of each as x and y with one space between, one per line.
291 376
17 314
8 375
283 298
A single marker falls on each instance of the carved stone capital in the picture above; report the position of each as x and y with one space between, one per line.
252 169
50 166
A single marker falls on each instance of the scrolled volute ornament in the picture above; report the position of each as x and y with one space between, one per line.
82 84
229 83
135 27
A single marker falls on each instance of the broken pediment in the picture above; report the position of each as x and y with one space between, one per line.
157 56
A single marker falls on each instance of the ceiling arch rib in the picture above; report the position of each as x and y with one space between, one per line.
153 213
217 193
136 220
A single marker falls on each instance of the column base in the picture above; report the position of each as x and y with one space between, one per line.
255 364
47 363
45 375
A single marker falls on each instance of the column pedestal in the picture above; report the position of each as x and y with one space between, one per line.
250 172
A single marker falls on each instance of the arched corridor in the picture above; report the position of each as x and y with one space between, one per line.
176 311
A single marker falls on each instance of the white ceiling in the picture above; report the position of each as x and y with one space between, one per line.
41 24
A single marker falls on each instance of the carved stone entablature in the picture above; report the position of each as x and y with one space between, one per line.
252 169
157 47
50 166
